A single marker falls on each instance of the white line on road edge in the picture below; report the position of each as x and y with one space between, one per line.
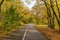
25 34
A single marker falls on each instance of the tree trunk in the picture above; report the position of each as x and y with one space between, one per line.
1 5
54 13
49 15
58 12
0 9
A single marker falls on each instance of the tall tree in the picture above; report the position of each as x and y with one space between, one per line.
1 5
52 19
58 13
48 14
54 13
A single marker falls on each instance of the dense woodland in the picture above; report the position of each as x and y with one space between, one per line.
13 14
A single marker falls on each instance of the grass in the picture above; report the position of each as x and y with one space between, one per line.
49 33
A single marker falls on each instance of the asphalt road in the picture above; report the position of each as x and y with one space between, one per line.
33 34
28 33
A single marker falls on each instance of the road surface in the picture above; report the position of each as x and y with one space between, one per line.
28 33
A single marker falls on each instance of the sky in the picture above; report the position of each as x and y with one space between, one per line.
29 4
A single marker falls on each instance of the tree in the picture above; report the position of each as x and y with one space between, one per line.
38 12
58 13
52 13
1 5
49 14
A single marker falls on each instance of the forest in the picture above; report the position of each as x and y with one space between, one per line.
14 14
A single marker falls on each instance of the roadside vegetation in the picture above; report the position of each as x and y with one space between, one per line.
13 14
51 16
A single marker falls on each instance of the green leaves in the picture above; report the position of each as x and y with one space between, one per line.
10 19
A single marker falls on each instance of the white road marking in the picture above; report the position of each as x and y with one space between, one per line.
25 34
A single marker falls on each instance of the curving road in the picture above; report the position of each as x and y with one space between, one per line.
28 33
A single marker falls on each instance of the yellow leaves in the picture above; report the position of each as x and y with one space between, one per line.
58 1
21 23
0 1
6 5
